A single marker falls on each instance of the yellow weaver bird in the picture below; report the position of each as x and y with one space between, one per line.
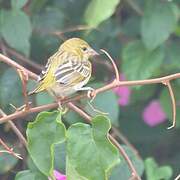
68 70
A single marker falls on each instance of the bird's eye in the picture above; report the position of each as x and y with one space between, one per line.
84 48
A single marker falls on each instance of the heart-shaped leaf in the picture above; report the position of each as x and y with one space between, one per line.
90 154
157 173
42 134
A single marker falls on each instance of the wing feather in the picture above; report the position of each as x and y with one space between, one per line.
73 73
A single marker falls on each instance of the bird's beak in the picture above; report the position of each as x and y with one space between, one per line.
92 52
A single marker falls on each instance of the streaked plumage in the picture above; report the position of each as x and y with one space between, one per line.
68 70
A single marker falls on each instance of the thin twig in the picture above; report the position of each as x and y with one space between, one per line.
13 64
173 103
99 90
125 141
134 173
15 129
9 150
23 59
178 177
75 108
72 29
113 63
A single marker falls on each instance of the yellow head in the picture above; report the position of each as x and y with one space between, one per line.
79 48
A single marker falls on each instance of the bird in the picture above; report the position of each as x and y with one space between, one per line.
68 70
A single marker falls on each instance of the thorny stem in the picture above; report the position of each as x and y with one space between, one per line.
21 58
125 141
9 150
113 63
173 103
178 177
15 65
15 129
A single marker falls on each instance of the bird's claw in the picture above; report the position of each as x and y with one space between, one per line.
91 94
63 110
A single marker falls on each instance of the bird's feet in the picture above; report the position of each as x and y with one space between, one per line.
62 109
91 94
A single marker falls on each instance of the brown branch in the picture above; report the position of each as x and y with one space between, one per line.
113 63
178 177
15 129
13 64
9 150
21 113
134 174
112 85
23 59
173 103
97 91
124 140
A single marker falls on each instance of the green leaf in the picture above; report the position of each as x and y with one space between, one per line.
16 30
10 81
90 155
153 172
97 11
29 175
72 117
138 62
138 95
42 134
60 157
173 54
50 20
43 98
106 102
7 162
132 21
154 28
122 170
18 4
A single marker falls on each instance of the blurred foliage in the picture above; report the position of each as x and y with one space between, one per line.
122 171
143 38
155 172
7 162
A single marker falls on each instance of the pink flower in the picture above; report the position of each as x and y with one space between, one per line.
153 113
123 92
59 176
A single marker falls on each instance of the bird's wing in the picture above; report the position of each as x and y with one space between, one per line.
71 73
46 78
55 58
